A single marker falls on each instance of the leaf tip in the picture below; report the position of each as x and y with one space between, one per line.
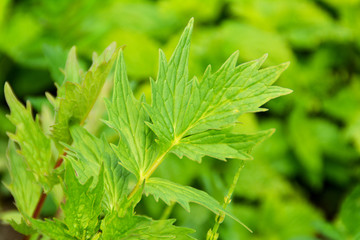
191 22
7 91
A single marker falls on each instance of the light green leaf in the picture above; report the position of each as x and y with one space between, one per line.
35 147
83 204
21 226
185 109
127 117
87 154
72 68
79 91
82 209
22 187
139 227
52 229
220 144
172 192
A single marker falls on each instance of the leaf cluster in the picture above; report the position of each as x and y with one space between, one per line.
186 117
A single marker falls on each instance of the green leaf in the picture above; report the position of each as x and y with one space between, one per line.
220 144
72 68
350 211
172 192
184 109
79 91
139 227
83 204
35 147
87 154
21 227
82 209
52 229
127 116
22 187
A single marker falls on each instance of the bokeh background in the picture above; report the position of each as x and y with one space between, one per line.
303 182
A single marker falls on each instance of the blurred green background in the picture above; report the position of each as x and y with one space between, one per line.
304 181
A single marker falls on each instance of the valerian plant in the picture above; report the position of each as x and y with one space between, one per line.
187 117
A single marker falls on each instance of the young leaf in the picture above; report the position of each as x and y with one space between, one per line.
139 227
87 154
127 117
21 227
52 229
35 147
22 187
172 192
184 110
83 205
81 209
79 91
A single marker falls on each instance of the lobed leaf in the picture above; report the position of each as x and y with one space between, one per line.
220 144
79 91
83 204
87 155
52 229
139 227
21 226
127 116
81 209
172 192
26 194
35 147
184 109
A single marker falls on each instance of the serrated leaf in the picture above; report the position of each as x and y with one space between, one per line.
220 144
87 154
139 227
35 147
21 186
183 107
82 209
52 229
172 192
127 117
21 227
79 92
83 204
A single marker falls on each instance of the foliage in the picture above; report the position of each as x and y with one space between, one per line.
300 175
186 117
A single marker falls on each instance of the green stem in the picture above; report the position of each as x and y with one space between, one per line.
213 233
135 189
167 211
150 170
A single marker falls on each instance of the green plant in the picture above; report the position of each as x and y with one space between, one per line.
103 182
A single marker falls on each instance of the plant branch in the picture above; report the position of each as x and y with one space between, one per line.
151 170
213 233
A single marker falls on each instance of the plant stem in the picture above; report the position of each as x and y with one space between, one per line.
165 215
213 233
135 189
39 205
150 170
